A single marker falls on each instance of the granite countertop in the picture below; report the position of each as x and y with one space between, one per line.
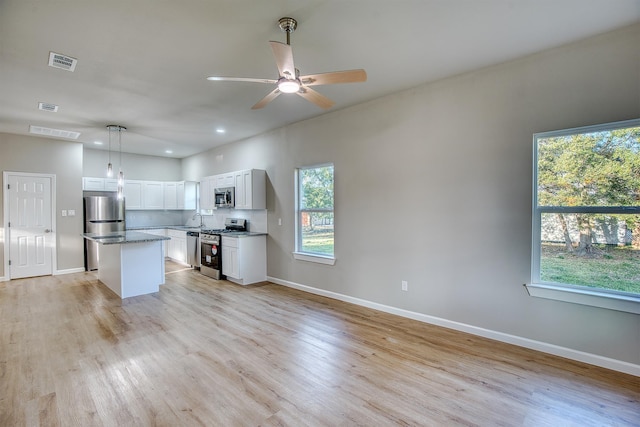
241 234
173 227
197 228
123 237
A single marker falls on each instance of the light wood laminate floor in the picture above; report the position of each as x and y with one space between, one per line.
205 352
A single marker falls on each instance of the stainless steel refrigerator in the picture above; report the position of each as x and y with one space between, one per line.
102 215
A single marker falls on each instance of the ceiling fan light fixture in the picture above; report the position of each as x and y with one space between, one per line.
288 86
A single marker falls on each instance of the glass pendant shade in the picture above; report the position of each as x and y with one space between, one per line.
119 129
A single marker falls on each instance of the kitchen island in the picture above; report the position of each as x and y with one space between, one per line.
130 263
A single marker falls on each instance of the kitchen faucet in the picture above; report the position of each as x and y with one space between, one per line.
201 219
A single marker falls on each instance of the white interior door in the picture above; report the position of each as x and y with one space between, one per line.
30 226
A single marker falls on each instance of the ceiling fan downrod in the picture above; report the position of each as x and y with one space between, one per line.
288 25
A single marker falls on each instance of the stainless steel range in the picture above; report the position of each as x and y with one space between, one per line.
210 255
210 246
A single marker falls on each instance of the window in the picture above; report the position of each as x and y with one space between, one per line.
314 214
586 214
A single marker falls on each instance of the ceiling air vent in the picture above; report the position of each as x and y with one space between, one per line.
44 106
57 60
57 133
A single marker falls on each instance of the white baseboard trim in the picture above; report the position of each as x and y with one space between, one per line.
68 271
3 279
580 356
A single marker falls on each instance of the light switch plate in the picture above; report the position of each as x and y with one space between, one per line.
63 212
72 212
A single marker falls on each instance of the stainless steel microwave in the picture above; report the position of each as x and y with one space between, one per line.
225 197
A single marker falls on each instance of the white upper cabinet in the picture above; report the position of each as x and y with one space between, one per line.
153 195
170 195
224 180
110 184
99 184
207 185
251 192
186 193
250 188
133 194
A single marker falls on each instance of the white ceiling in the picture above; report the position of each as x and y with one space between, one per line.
143 64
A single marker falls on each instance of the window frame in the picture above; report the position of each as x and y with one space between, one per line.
298 253
598 297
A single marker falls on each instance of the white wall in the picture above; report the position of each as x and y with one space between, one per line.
433 186
134 166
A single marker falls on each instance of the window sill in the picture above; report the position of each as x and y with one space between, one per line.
320 259
592 297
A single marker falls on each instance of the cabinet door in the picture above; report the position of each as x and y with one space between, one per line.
250 189
93 184
206 192
171 195
179 195
230 257
247 189
153 195
110 184
233 262
226 261
133 194
190 195
240 196
224 180
230 262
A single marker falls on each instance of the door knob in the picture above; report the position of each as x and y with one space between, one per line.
47 230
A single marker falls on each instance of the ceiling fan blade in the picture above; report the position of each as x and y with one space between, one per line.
267 99
315 97
349 76
284 59
241 79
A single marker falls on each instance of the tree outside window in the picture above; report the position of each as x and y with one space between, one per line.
587 207
315 210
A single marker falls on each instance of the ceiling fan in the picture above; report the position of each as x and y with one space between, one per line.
290 80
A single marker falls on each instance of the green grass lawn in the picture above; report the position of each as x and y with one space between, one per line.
615 268
318 241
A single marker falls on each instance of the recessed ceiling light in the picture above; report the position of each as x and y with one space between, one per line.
220 130
97 142
168 151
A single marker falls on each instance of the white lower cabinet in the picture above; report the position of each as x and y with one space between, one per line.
244 259
159 232
177 246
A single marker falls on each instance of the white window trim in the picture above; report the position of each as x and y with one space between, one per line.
320 259
596 297
585 296
309 256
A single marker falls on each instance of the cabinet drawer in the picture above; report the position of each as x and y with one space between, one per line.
229 242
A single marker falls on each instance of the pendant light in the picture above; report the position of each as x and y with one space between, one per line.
109 166
119 129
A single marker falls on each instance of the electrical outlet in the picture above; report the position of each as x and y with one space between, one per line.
279 221
72 212
405 285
